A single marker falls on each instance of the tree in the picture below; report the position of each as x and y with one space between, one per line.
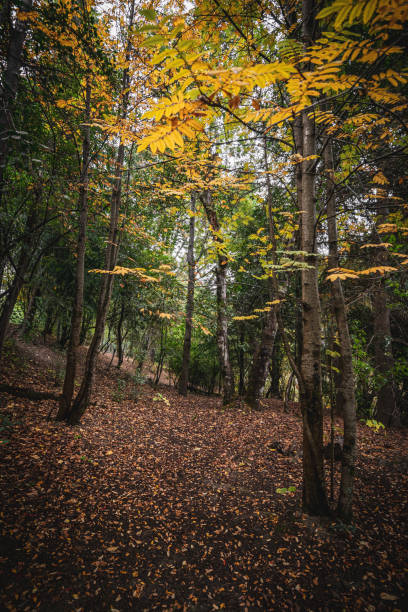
183 380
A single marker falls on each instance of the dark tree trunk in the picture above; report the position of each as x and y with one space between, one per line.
314 489
387 411
226 373
77 310
183 381
145 350
241 360
261 361
345 379
49 321
275 369
162 354
28 322
22 268
84 329
119 335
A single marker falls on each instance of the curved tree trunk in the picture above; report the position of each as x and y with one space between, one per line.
183 381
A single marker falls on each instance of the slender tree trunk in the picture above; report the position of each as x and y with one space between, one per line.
227 377
275 369
261 361
77 310
119 335
387 411
145 350
263 354
83 397
22 267
314 489
183 381
345 380
241 360
84 329
28 322
49 321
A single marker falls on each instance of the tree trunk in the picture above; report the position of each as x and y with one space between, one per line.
263 354
83 397
261 361
28 322
22 267
77 310
227 377
119 335
49 321
386 410
183 381
345 379
314 489
275 369
241 360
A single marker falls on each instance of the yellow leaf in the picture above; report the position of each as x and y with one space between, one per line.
380 269
369 10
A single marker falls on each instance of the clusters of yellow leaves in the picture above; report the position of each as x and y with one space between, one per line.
344 273
199 88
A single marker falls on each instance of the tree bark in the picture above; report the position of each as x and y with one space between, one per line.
119 335
263 354
77 310
227 377
28 322
314 489
22 267
183 381
275 369
387 411
345 379
261 361
241 360
83 397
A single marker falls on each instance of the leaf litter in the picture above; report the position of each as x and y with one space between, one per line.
175 505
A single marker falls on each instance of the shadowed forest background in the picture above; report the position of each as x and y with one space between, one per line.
203 304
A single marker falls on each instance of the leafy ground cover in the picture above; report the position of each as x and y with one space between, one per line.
169 503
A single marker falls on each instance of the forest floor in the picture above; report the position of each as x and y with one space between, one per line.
157 502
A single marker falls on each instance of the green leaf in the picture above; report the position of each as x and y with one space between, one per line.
150 14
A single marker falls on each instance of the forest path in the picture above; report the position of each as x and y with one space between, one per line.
162 502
